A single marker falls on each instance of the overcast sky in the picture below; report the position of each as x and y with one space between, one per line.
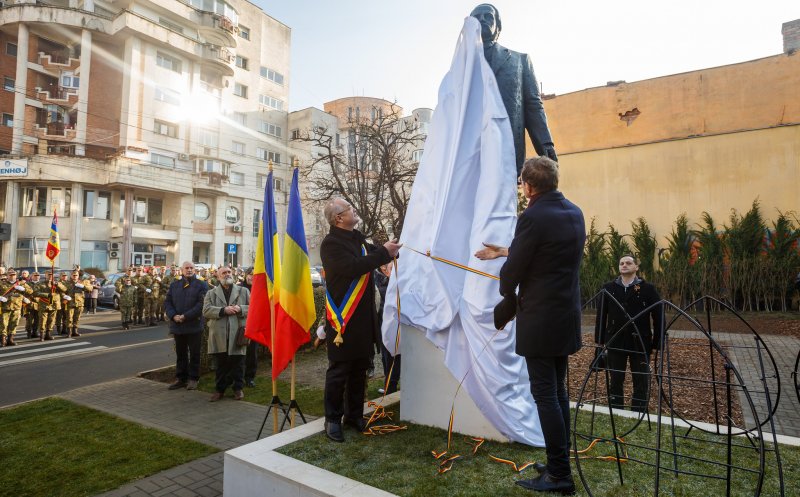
400 50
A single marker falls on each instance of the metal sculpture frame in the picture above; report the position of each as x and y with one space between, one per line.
722 433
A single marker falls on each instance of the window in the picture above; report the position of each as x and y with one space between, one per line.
201 211
244 32
240 90
272 102
11 49
261 180
26 254
162 160
168 62
237 179
265 154
271 75
69 80
213 166
278 185
241 62
256 221
33 201
147 210
269 129
170 25
416 155
8 84
240 118
238 148
96 204
208 138
8 120
338 140
167 95
295 134
232 214
94 254
60 200
166 129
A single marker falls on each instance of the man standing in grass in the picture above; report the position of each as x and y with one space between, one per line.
349 260
184 305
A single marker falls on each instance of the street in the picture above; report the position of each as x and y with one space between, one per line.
103 352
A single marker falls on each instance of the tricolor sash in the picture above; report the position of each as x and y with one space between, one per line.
339 315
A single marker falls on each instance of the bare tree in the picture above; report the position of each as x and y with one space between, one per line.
369 162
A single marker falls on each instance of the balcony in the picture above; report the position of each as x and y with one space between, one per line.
219 57
58 62
58 94
217 28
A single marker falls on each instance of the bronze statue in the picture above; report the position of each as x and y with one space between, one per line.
518 87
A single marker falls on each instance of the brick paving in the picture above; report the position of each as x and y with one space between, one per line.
188 414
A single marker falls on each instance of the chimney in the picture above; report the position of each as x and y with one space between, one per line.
791 36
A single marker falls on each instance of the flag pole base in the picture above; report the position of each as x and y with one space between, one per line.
293 405
276 404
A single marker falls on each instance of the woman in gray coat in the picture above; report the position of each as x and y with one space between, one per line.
225 308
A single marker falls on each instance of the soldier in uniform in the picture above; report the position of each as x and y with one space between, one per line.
151 292
12 293
127 301
136 280
61 314
48 294
76 299
166 280
32 309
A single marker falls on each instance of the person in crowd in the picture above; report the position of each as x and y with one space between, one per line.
75 295
225 309
32 309
184 305
48 294
92 295
381 283
543 261
251 357
629 342
62 314
13 293
127 301
349 260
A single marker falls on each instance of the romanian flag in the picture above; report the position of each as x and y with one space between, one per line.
53 243
266 273
297 314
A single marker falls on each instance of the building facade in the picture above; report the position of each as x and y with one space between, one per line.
147 126
709 140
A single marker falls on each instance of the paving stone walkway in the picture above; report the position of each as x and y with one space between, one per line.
224 425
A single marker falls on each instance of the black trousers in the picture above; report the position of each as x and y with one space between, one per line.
387 359
344 389
640 373
187 348
229 372
549 390
251 361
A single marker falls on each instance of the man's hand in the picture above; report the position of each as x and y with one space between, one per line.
392 247
19 288
550 151
491 252
178 318
230 310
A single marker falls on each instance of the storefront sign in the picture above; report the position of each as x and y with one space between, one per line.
10 168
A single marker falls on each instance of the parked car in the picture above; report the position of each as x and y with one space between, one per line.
108 292
42 270
316 277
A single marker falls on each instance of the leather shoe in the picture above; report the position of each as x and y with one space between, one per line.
334 431
549 483
238 395
10 341
539 467
359 424
215 397
176 385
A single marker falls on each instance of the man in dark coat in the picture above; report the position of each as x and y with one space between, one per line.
184 308
348 260
629 340
517 85
543 261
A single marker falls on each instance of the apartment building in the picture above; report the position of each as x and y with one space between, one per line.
147 126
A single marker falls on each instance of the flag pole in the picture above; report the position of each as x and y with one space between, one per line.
272 334
292 401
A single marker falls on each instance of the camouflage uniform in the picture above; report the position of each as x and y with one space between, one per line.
32 310
75 302
166 281
148 291
139 312
13 293
61 314
127 302
48 296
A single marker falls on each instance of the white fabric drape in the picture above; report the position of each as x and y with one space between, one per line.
464 194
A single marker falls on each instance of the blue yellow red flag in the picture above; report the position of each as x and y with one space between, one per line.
53 243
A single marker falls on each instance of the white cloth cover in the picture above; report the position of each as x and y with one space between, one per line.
464 194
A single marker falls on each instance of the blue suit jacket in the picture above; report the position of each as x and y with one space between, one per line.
544 261
520 92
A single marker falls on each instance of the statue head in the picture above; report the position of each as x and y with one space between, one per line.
489 17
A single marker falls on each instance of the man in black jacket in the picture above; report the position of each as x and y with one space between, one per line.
348 260
184 308
629 341
543 261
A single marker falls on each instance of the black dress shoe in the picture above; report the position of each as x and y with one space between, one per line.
359 424
539 467
334 431
549 483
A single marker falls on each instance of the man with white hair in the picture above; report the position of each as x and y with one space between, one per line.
184 306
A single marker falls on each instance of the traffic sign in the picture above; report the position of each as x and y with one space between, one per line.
231 248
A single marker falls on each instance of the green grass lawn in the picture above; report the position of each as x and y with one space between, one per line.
402 463
53 447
